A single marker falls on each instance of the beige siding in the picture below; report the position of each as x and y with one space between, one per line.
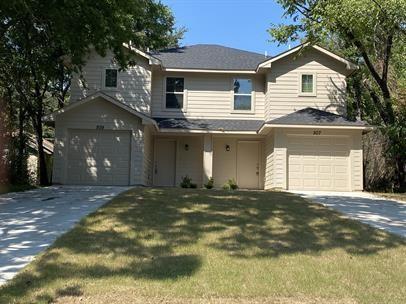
269 161
277 171
148 155
88 116
283 84
207 96
357 162
134 84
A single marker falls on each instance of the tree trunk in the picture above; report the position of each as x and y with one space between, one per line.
43 172
400 168
21 165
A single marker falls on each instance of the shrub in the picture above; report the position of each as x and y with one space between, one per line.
187 183
231 184
210 183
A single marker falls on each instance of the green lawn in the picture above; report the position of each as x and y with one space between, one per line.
207 246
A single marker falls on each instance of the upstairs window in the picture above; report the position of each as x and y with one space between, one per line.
242 94
110 78
175 87
307 84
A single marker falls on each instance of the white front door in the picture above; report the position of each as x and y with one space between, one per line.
165 163
248 164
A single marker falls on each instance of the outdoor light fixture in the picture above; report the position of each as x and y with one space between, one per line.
186 147
227 148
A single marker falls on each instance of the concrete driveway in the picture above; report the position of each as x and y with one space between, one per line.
30 221
379 212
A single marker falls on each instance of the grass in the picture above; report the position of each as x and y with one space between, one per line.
206 246
15 188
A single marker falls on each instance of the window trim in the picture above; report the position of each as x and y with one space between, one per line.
104 79
252 110
308 94
184 107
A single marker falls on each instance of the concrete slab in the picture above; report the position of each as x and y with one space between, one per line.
30 221
378 212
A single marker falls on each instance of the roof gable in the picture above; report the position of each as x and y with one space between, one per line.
145 119
267 63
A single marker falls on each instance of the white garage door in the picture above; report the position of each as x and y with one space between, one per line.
318 163
98 157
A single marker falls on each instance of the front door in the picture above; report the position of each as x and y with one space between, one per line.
248 167
165 162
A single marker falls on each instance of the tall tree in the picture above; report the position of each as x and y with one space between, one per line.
42 42
374 33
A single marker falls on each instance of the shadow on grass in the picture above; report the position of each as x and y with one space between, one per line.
150 226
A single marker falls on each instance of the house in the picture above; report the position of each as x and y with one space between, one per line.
211 111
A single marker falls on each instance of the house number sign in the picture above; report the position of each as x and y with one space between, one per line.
316 132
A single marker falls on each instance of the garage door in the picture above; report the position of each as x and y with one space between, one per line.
98 157
318 163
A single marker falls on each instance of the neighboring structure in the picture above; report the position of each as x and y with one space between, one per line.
211 111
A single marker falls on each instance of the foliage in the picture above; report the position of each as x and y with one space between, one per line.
372 33
42 43
187 183
231 184
210 183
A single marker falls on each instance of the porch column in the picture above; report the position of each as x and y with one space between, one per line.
207 157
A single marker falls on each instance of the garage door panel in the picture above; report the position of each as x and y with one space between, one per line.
318 163
98 157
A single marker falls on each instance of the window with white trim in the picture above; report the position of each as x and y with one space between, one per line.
110 78
307 84
175 91
242 94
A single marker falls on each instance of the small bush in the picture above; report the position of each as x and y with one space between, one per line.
187 183
231 184
210 183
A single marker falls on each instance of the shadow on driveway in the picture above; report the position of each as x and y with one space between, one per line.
378 212
30 221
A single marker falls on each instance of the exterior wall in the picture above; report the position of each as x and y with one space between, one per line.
277 169
207 96
188 162
356 162
283 84
225 162
148 155
269 161
89 116
134 84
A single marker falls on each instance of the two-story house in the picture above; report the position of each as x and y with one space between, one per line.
211 111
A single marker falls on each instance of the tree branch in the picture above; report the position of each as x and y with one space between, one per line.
388 50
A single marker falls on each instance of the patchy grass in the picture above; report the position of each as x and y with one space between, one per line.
204 246
394 196
15 188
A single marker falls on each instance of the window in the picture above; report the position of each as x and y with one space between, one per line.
174 92
242 94
307 84
110 78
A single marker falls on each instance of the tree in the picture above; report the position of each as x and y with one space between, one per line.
43 42
372 32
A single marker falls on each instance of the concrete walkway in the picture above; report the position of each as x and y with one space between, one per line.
30 221
381 213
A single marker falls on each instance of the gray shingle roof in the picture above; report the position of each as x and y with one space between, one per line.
311 116
209 56
209 124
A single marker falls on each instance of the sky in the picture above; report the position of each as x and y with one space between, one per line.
239 24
